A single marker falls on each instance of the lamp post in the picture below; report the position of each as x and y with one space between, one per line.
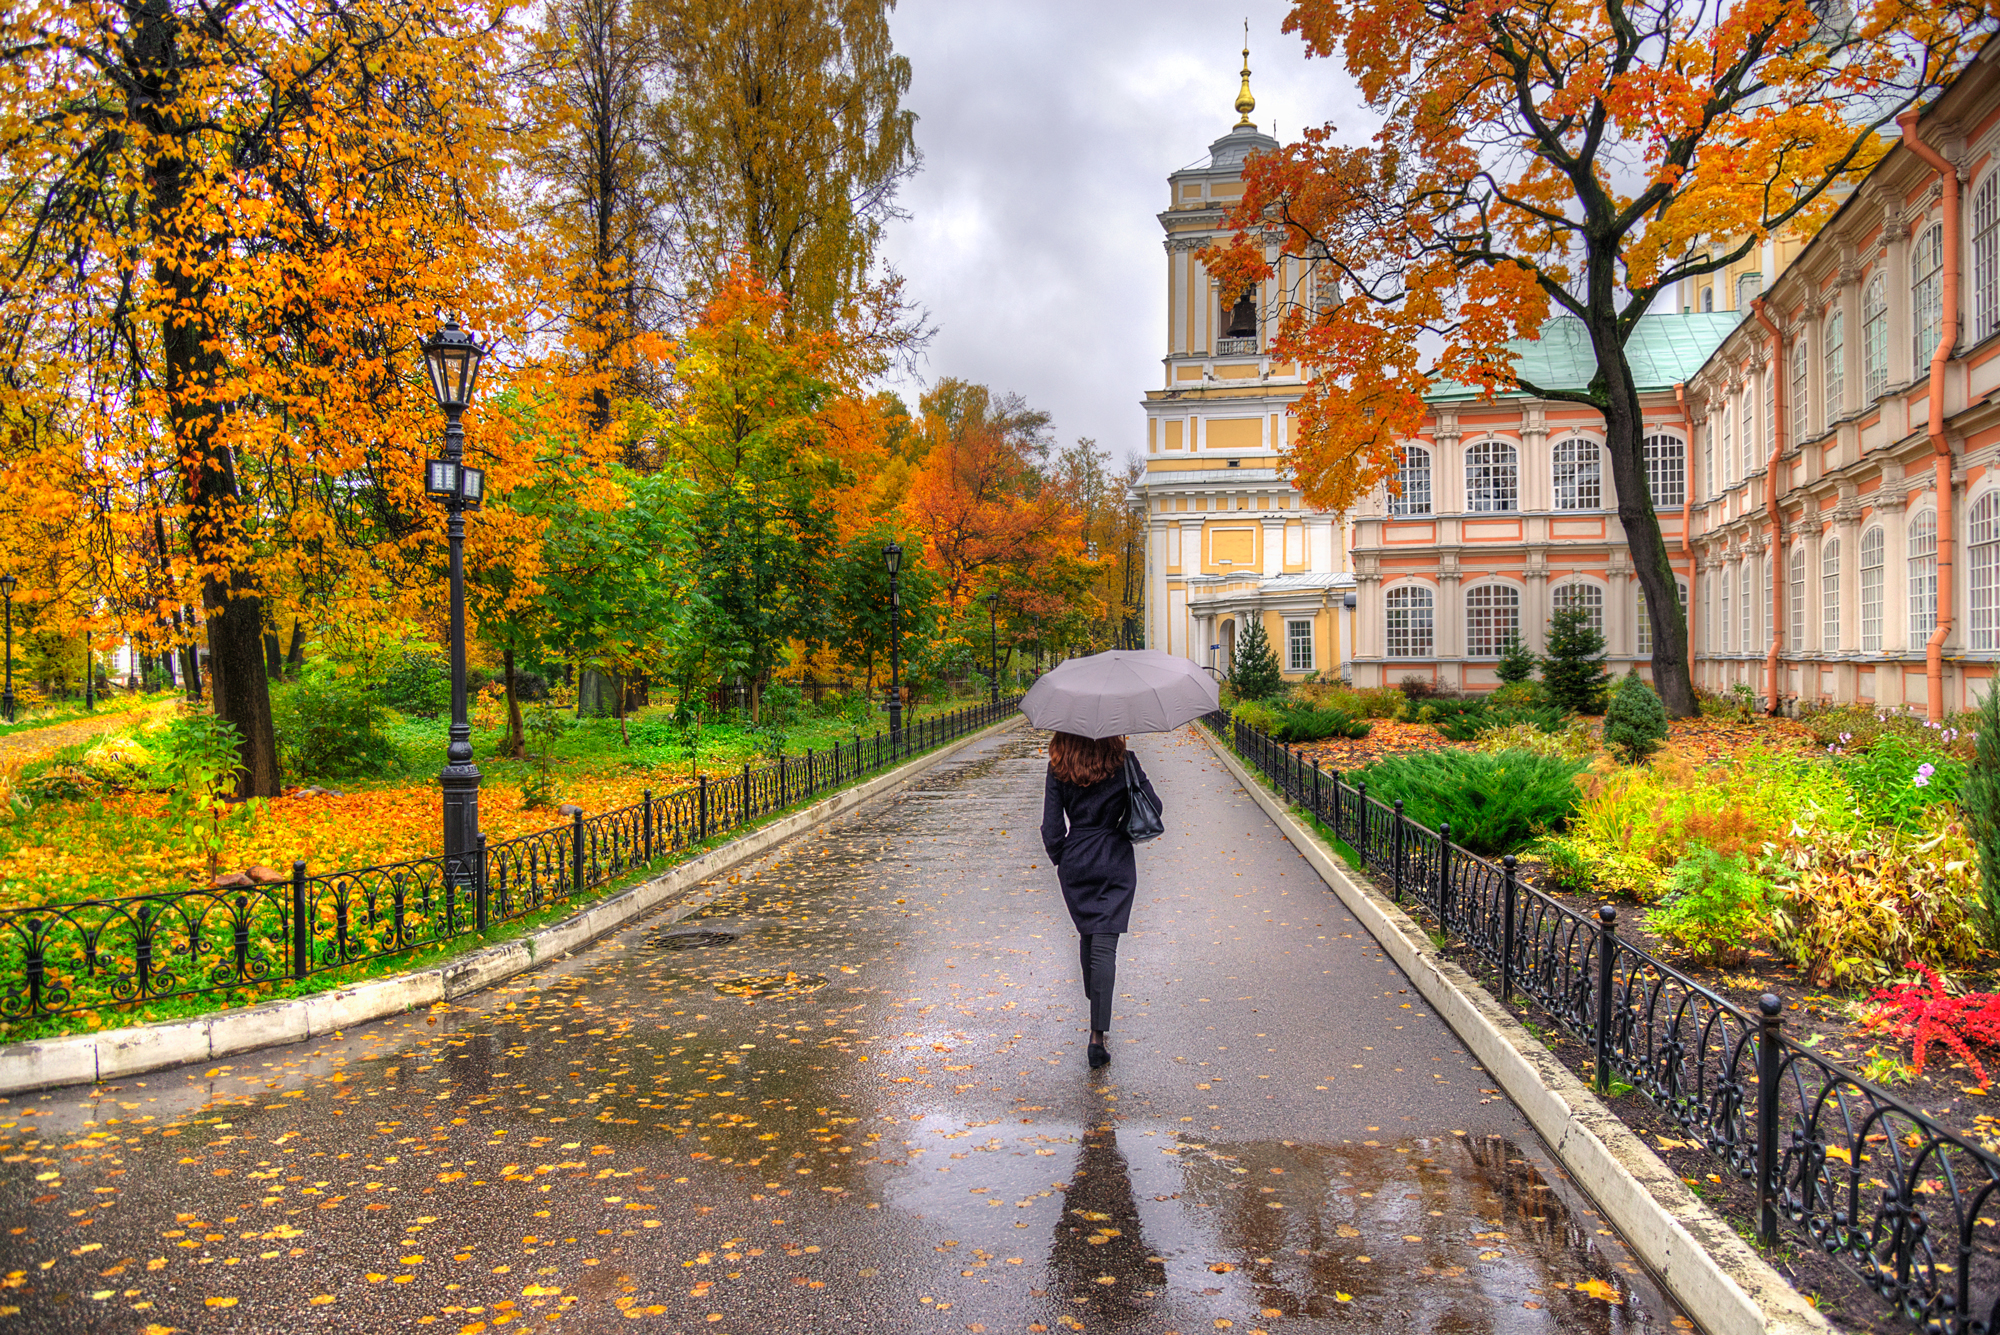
993 646
452 357
7 697
892 557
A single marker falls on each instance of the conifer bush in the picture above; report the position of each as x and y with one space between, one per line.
1496 802
1257 676
1573 669
1517 662
1636 722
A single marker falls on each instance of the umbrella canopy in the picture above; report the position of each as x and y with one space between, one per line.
1119 692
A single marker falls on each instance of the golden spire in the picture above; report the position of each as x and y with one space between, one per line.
1245 103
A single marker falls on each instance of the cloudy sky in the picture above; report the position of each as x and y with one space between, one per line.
1048 129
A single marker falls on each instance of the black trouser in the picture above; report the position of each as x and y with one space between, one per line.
1098 953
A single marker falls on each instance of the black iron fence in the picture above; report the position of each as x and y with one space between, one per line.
58 959
1900 1199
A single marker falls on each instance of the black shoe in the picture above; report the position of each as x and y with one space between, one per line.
1099 1056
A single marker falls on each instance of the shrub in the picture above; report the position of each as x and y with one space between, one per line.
1542 718
1256 714
1854 900
328 728
1636 722
1417 687
1495 802
1854 729
418 683
1517 662
1530 693
1256 675
1927 1013
1384 702
1313 725
1573 668
1714 905
1574 742
1570 866
1898 779
1979 797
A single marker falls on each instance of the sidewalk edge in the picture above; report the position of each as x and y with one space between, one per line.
117 1053
1722 1284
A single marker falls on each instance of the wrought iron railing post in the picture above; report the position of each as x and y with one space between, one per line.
646 801
701 828
1315 796
743 812
1509 886
1442 891
1607 948
1396 876
479 888
1361 822
37 965
1770 1017
1334 824
811 785
576 853
301 932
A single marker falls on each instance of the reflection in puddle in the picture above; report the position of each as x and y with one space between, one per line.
1100 1256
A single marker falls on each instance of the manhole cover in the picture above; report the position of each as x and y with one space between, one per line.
690 940
773 985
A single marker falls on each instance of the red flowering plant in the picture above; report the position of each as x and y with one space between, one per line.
1926 1013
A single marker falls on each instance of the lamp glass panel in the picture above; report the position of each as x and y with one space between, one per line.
443 477
892 556
472 483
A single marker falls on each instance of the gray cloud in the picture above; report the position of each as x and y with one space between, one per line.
1048 131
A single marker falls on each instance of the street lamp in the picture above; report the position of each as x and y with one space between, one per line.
452 357
7 697
993 645
892 557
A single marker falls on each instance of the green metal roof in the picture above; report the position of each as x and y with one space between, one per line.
1664 350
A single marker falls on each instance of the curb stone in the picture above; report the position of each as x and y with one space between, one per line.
1722 1284
111 1054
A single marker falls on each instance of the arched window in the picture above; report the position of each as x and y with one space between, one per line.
1666 470
1492 618
1874 341
1491 477
1833 367
1728 433
1747 429
1922 547
1578 594
1645 620
1926 295
1982 559
1769 442
1800 407
1829 595
1747 615
1413 474
1873 559
1707 300
1986 257
1722 581
1708 478
1579 479
1798 597
1766 607
1410 615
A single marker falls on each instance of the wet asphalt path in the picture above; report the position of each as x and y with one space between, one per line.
851 1095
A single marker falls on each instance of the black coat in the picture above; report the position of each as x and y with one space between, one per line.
1083 830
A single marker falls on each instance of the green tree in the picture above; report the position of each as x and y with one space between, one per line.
1256 676
1517 662
1573 668
858 604
1636 722
1979 798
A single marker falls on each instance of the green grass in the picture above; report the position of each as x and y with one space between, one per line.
74 712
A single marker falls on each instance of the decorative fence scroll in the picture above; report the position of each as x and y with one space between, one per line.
1901 1200
59 959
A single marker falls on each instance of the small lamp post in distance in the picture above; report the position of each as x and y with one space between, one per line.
993 646
892 557
452 357
7 696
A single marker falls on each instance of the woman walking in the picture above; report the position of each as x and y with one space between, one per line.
1083 829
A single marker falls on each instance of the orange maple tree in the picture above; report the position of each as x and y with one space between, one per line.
1566 156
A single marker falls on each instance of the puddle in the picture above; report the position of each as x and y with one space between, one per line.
690 940
773 985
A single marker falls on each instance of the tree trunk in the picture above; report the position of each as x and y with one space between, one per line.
193 370
274 655
295 656
596 694
1624 436
516 744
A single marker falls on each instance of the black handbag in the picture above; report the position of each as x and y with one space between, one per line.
1142 818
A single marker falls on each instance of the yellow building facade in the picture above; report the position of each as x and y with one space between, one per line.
1228 536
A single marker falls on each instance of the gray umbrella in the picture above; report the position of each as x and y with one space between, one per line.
1119 692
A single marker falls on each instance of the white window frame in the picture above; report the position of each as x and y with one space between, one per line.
1748 431
1643 643
1798 596
1413 475
1416 636
1829 595
1726 578
1920 544
1708 479
1580 593
1986 257
1578 465
1833 369
1492 618
1926 295
1492 478
1293 644
1747 614
1801 400
1874 340
1874 571
1666 470
1982 560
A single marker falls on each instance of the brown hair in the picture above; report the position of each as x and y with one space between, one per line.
1083 761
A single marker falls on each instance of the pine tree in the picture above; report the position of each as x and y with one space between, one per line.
1636 722
1256 676
1517 662
1573 669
